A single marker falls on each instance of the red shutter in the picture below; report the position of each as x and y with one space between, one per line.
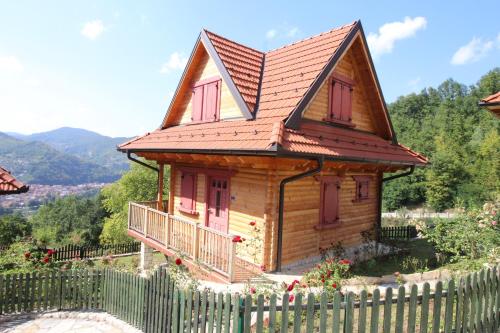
336 100
197 102
364 189
211 105
187 190
330 202
346 111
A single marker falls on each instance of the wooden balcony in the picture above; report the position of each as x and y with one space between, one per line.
168 233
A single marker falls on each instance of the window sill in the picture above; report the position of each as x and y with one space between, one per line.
192 122
187 211
340 122
326 226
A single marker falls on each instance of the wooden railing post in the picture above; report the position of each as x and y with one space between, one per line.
167 231
146 222
196 241
129 217
231 261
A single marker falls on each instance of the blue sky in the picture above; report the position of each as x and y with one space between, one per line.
112 66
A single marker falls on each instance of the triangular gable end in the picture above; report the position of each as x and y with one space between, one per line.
237 100
354 43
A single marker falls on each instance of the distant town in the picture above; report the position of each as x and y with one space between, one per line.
40 194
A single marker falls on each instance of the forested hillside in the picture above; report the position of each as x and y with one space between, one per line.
38 163
461 140
84 144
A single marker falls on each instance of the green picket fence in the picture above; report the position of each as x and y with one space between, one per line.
156 304
397 233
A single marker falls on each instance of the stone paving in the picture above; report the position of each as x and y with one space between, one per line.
64 322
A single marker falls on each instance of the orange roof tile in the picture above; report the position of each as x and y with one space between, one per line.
272 85
495 98
9 184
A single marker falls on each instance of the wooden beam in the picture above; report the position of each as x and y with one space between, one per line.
161 170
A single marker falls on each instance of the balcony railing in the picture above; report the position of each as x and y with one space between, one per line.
211 248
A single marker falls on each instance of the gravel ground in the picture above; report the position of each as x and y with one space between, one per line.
64 322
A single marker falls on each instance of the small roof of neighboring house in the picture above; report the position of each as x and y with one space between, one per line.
272 89
492 103
9 184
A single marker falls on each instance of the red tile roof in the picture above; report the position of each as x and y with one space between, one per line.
9 184
495 98
288 74
244 65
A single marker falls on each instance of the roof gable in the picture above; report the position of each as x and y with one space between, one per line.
239 67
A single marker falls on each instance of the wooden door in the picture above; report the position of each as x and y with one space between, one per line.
218 200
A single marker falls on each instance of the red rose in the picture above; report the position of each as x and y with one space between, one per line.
323 280
50 252
345 262
253 290
237 239
252 223
27 255
46 259
295 281
263 268
334 285
290 287
291 298
178 261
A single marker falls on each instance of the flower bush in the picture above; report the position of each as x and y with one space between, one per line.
327 275
473 234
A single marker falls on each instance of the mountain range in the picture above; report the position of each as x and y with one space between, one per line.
65 156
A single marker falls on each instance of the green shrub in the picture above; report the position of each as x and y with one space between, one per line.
473 234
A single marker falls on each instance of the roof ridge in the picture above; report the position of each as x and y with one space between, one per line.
234 42
314 36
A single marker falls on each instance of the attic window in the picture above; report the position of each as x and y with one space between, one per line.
362 185
206 100
340 97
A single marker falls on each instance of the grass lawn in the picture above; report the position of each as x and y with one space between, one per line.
418 256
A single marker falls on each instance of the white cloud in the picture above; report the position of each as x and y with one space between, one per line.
92 29
176 61
471 52
293 32
383 41
270 34
10 64
414 82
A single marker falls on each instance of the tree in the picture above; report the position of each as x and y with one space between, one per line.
137 184
13 227
460 139
69 220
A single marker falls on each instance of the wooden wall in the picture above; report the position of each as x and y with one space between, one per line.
362 114
204 67
302 214
254 196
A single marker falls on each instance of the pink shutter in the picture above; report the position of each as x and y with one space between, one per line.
330 202
187 191
346 109
211 109
336 100
364 189
197 103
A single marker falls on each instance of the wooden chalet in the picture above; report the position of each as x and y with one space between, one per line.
492 103
9 184
286 149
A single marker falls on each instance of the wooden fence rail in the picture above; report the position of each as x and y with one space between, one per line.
156 304
397 233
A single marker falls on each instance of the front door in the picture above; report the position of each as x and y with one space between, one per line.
218 197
